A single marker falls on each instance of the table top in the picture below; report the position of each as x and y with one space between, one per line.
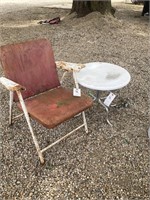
103 76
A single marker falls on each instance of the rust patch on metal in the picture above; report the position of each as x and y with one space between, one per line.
11 85
69 66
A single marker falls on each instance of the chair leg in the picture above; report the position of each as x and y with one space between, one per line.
63 76
10 106
30 127
85 123
11 94
75 80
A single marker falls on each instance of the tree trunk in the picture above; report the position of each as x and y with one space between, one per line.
82 7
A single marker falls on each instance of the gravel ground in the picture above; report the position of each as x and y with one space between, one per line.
108 163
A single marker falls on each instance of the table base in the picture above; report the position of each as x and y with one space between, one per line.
99 100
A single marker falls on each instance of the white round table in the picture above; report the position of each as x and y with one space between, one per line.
101 76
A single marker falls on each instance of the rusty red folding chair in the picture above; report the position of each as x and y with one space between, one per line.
32 79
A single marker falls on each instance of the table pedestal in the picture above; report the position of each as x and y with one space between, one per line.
99 100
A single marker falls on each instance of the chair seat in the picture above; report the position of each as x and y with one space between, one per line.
55 106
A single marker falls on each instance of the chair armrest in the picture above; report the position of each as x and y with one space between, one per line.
11 85
69 66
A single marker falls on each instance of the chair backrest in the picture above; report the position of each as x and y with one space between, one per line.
30 64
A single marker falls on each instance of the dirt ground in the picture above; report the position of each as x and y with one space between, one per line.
108 163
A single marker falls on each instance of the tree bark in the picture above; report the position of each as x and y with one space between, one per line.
82 7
